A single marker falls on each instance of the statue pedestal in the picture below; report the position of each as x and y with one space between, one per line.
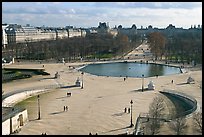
57 75
189 80
151 86
78 82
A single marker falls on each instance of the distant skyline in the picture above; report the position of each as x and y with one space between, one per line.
89 14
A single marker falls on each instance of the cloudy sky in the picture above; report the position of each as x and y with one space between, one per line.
89 14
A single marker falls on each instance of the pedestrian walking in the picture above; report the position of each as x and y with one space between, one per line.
125 110
64 108
44 133
172 81
128 110
124 79
127 132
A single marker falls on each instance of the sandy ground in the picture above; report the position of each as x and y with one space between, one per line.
99 106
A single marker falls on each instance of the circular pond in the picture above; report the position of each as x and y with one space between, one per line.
130 69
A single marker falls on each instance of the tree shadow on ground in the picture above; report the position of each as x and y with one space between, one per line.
140 90
34 119
54 113
63 97
184 83
69 86
117 129
119 114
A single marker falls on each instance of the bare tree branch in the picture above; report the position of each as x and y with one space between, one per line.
197 122
156 109
178 125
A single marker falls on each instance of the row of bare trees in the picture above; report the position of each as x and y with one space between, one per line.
181 46
178 124
157 44
91 46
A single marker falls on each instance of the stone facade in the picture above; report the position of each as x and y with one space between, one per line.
14 122
4 36
14 33
128 31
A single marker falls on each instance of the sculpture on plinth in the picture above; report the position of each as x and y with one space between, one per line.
78 83
57 75
151 85
189 80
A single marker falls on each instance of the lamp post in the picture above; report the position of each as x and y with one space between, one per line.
142 82
131 124
38 107
82 84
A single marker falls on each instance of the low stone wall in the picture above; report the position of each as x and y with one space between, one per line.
191 103
6 127
174 96
10 101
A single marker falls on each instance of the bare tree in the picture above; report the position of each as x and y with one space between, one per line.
157 44
156 109
178 125
197 122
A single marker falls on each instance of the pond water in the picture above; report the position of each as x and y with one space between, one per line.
130 69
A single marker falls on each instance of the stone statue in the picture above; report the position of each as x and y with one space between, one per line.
189 80
57 75
78 83
151 85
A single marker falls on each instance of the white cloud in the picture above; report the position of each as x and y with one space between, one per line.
121 3
62 11
158 4
83 15
56 3
39 3
73 11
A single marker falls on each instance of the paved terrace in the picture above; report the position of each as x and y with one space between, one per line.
95 108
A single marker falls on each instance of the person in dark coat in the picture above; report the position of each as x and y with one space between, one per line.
125 110
128 110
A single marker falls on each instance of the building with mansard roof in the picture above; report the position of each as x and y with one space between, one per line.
127 31
14 33
4 35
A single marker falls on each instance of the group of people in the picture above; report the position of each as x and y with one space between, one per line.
127 110
44 133
65 108
91 134
69 94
